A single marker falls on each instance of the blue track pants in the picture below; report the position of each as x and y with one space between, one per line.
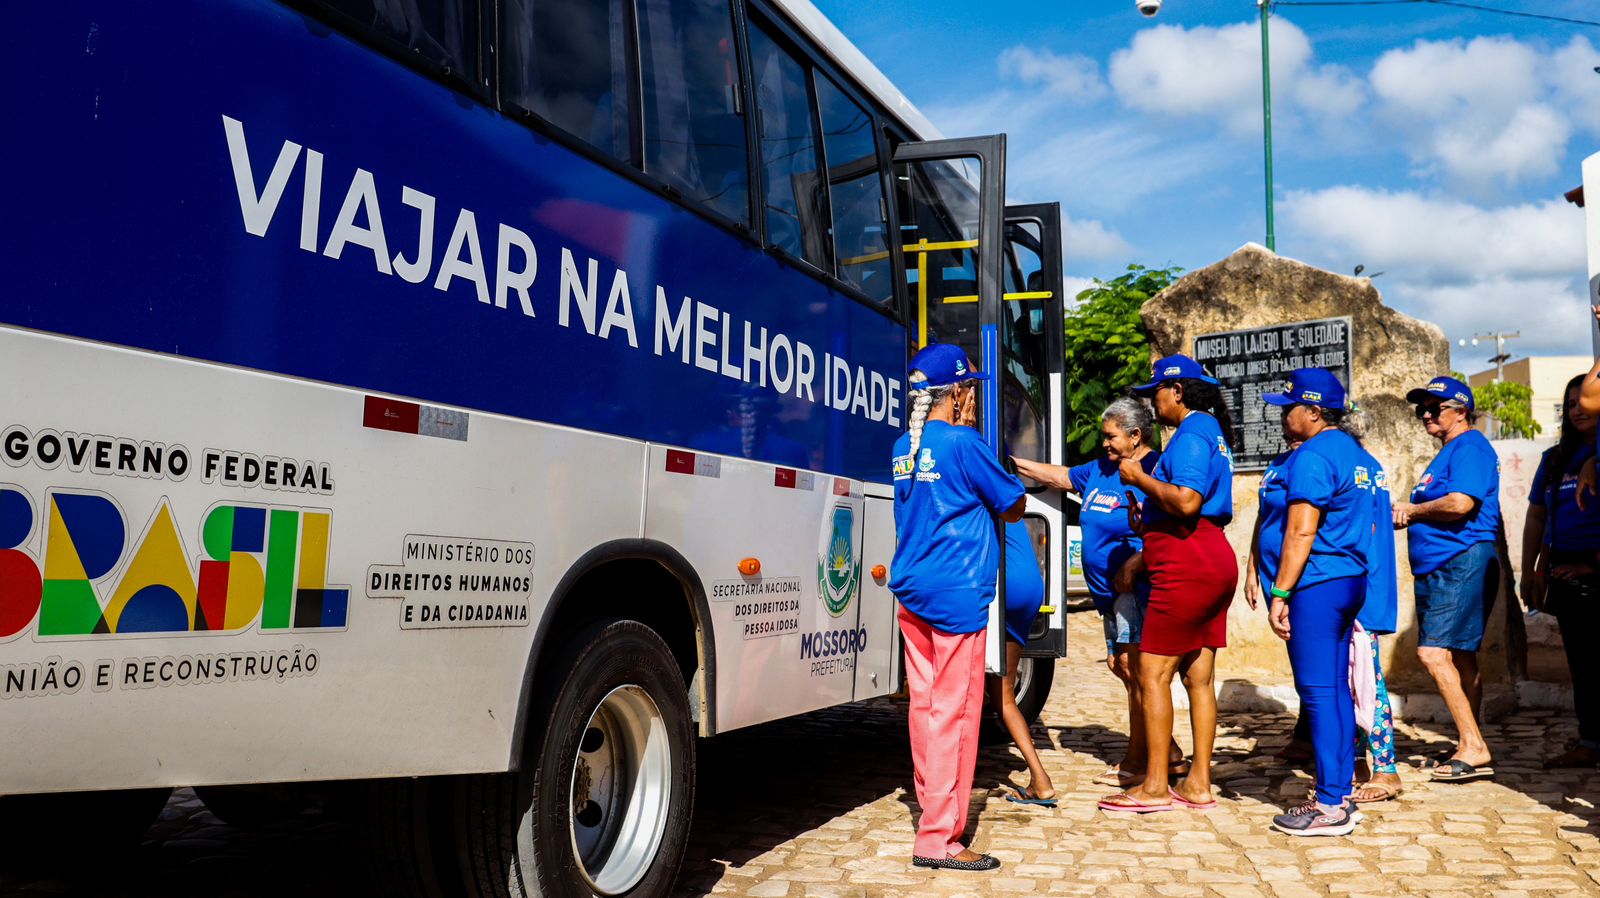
1320 620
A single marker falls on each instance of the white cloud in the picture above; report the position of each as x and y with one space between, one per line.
1215 73
1479 111
1087 239
1074 77
1469 268
1570 73
1443 238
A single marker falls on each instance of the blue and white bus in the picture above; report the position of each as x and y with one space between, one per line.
480 400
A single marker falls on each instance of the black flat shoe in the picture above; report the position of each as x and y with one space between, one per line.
984 862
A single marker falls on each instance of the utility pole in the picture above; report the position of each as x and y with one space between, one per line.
1500 358
1266 112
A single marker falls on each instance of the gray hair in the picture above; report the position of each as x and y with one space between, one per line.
922 399
1132 414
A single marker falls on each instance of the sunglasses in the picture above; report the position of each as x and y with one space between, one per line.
1432 411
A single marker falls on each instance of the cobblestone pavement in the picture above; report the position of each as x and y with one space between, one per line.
823 806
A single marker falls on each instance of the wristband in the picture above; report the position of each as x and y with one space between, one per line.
1280 593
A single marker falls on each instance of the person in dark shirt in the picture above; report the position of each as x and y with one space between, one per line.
1560 570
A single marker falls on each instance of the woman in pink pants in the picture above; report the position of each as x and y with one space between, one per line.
948 486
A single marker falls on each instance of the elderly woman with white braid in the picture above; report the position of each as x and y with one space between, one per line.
948 487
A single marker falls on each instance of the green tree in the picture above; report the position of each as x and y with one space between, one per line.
1107 350
1511 407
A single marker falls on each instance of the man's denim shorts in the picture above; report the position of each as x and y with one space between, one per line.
1124 621
1453 602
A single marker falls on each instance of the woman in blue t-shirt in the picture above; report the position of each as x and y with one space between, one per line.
1452 521
1193 573
1318 577
1113 560
948 488
1560 573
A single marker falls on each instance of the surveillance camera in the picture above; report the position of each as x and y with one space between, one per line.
1148 8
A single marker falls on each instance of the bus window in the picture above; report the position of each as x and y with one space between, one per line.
794 198
939 212
694 137
442 32
1023 334
569 62
860 234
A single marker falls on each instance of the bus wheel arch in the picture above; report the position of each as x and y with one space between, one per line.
626 579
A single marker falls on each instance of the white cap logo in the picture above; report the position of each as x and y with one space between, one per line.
1172 371
1436 388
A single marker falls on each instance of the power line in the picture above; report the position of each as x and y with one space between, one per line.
1456 3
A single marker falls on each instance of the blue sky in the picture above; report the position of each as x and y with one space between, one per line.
1425 142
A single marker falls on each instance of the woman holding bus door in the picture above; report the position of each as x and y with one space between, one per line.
948 487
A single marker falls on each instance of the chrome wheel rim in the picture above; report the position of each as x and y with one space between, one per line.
621 790
1024 677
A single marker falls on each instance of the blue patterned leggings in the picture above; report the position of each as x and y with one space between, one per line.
1381 740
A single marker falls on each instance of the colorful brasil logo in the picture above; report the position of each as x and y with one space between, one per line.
261 565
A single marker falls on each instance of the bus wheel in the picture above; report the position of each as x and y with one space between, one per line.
603 802
401 826
1034 679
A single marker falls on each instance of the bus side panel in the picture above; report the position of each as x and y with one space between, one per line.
787 636
171 613
231 181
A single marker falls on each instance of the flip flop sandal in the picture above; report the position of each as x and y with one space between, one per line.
1389 792
1196 805
1021 796
1461 772
1438 760
1123 803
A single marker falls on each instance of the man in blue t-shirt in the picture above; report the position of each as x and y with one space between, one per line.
1452 518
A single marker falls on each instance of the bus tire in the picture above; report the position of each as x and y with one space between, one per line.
400 827
604 798
1035 676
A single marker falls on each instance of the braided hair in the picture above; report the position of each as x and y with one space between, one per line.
922 400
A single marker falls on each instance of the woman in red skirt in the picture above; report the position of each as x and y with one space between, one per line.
1193 573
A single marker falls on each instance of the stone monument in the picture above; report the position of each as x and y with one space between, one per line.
1392 353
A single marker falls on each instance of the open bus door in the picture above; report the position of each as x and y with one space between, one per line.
1033 420
949 199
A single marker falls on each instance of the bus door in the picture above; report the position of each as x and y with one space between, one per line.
949 196
1032 423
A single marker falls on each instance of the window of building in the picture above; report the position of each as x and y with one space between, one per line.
860 233
795 212
570 62
694 133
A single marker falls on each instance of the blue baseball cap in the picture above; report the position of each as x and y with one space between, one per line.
1309 386
944 364
1447 389
1174 367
